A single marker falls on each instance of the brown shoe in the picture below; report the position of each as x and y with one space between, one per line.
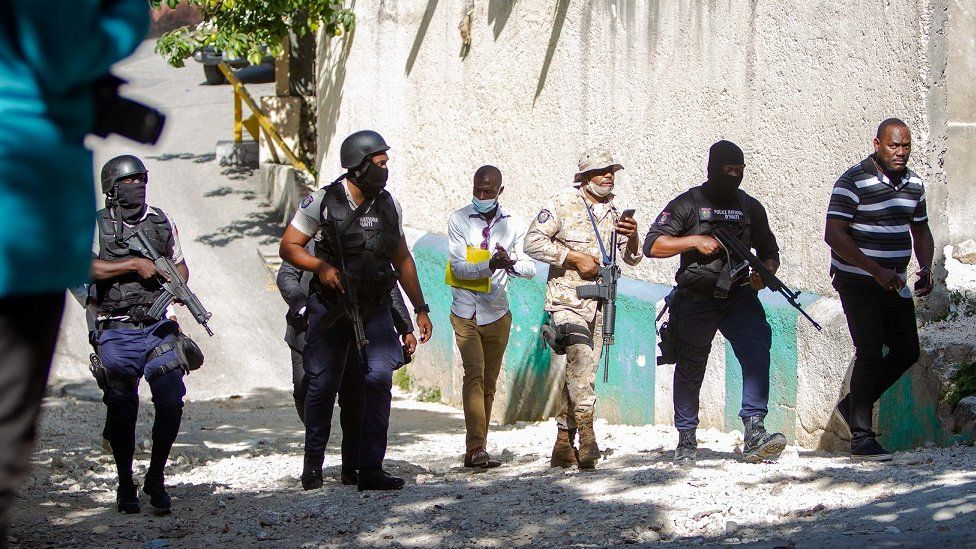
589 452
480 459
563 453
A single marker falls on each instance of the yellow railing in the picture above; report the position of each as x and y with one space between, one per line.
257 121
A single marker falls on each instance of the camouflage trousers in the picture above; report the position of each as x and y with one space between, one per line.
577 381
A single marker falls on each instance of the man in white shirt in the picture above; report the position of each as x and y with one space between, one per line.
481 319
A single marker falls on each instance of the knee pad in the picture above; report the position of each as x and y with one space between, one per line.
188 356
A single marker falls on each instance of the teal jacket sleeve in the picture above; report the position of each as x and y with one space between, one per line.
81 42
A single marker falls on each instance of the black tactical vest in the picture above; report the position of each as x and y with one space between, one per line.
703 271
129 294
368 244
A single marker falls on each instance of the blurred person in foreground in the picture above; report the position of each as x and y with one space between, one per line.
51 55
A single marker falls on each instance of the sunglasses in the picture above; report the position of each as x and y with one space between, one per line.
485 233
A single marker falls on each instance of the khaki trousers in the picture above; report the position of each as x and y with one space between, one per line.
579 379
482 349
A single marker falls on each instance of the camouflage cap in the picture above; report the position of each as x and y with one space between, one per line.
595 159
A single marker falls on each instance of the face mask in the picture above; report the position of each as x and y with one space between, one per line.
372 180
484 206
722 186
598 191
131 200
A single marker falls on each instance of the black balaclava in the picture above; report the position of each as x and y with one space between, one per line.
721 186
131 200
370 178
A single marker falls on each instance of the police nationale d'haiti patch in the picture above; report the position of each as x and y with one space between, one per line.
307 200
663 218
543 216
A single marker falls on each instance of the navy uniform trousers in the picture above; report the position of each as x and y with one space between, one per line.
330 364
125 355
741 319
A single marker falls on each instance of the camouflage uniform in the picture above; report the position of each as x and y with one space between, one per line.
564 226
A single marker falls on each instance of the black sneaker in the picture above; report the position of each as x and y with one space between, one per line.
868 449
686 454
349 477
378 479
844 409
757 444
158 498
127 498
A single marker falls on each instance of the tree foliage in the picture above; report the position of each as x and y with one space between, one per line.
251 28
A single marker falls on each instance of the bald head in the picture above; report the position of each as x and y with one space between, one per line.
888 124
487 182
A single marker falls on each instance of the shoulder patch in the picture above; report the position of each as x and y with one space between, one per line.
543 216
663 218
307 200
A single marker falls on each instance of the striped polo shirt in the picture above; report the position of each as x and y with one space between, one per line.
880 213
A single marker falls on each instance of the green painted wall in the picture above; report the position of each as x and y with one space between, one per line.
906 412
906 415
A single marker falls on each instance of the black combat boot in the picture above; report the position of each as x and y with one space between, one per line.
349 476
375 478
156 491
127 496
312 472
686 453
758 445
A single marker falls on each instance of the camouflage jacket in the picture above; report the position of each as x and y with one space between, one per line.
563 226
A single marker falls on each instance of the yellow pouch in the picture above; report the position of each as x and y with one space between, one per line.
474 255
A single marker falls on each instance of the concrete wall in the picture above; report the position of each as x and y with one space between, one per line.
960 163
801 86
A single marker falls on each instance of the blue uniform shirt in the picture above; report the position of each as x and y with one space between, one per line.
50 52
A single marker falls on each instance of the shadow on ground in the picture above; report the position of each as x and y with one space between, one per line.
234 479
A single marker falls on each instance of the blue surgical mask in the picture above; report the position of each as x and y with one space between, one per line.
484 206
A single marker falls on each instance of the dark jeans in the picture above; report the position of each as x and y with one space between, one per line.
28 332
741 319
350 405
877 318
298 381
332 369
124 355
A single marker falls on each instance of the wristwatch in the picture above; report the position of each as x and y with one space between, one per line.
425 308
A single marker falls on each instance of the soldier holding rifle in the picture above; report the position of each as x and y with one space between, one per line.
572 234
716 292
358 260
137 271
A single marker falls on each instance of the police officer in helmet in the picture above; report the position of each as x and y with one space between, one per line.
362 232
711 297
130 342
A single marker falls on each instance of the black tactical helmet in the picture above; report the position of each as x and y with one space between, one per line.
360 145
119 167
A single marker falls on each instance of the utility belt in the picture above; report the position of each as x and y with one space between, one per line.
110 324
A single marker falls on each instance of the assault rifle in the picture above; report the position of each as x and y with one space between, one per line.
175 288
734 246
606 292
349 298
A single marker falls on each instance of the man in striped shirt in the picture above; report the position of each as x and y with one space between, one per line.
875 218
